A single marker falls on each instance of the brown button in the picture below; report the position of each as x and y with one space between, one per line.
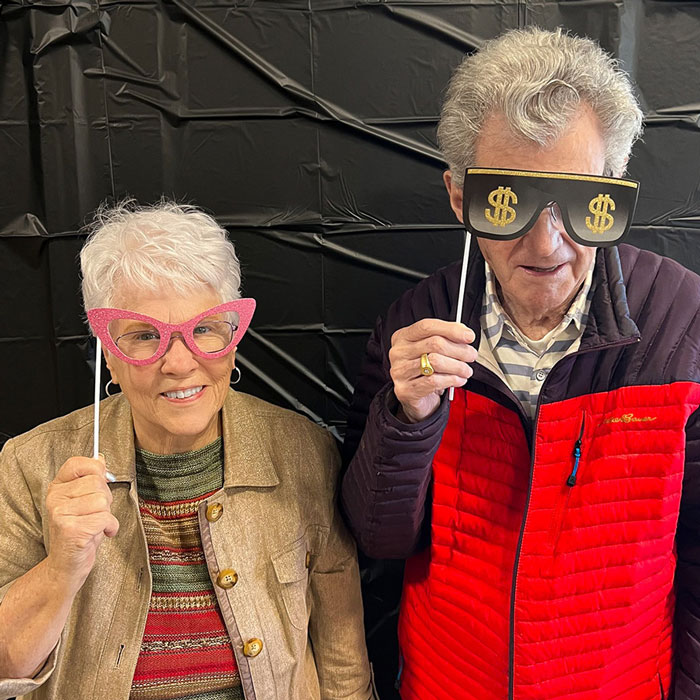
227 578
214 512
308 559
252 647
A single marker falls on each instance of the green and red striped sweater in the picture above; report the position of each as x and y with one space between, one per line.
186 652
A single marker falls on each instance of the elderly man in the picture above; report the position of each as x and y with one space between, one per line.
549 514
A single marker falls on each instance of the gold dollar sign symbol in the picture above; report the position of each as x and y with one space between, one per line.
603 219
500 200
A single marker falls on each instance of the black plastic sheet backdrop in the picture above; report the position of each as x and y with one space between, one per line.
307 127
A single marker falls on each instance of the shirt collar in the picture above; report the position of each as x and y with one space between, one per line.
492 314
495 318
578 311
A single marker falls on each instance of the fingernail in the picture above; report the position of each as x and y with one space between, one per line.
110 477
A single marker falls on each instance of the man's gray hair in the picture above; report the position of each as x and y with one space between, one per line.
169 247
538 80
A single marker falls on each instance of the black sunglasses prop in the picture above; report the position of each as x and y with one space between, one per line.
504 204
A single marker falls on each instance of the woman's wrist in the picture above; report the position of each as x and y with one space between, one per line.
64 583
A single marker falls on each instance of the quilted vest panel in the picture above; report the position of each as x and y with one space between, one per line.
571 574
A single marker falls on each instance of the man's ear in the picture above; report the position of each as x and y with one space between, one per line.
455 194
623 169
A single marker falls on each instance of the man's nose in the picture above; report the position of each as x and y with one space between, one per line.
545 236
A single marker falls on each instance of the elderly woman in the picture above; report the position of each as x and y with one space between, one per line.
201 555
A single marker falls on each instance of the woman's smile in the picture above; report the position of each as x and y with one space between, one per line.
184 395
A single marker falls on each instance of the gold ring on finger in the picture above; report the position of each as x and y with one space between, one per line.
426 369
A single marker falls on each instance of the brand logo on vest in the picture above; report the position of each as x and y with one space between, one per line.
630 418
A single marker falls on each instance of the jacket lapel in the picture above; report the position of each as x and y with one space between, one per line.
117 437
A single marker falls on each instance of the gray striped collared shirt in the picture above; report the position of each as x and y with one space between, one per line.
521 362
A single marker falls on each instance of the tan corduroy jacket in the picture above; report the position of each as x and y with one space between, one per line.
297 587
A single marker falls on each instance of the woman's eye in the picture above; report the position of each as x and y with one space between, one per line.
201 330
146 336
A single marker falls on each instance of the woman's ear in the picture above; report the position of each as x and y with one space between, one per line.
111 365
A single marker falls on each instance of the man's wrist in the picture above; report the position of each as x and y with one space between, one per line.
407 415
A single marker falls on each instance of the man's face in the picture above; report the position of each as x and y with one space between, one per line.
540 272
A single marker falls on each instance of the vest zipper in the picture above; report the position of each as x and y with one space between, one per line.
571 481
514 583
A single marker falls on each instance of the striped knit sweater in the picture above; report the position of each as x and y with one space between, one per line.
186 652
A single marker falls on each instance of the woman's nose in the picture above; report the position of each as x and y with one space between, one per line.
178 357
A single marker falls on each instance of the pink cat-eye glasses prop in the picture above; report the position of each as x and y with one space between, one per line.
141 340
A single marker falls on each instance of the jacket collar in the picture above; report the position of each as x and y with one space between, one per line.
609 320
247 459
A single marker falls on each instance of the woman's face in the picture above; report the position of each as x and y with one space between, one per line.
164 423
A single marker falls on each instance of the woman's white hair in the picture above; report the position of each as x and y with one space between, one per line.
538 80
171 247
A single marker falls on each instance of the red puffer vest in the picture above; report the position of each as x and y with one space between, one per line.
531 587
550 577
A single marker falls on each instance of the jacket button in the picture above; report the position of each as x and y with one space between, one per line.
308 559
227 578
214 512
252 647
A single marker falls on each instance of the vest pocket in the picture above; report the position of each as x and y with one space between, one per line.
292 574
572 478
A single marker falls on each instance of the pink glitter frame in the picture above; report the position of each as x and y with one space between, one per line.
100 319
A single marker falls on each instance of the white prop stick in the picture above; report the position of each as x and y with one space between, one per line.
96 411
462 285
98 382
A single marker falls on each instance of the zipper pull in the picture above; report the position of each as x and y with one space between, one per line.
571 481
